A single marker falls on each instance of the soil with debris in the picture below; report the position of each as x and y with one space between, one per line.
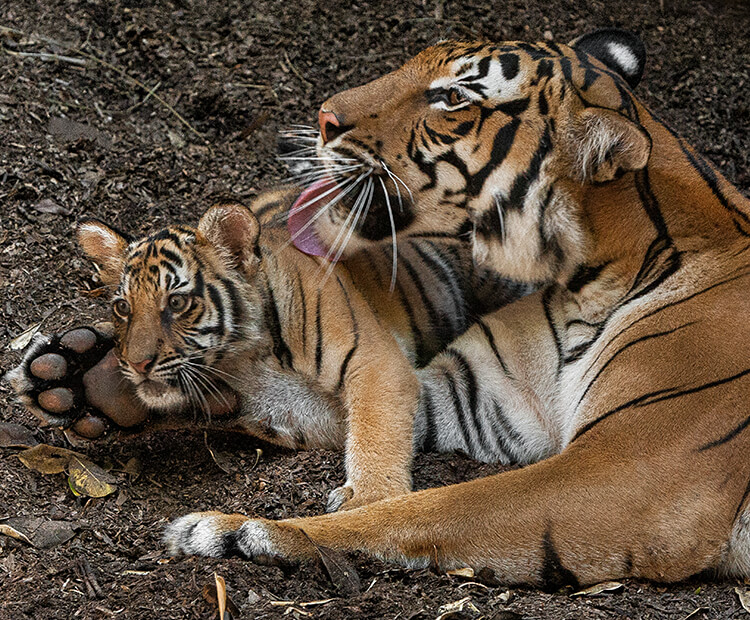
139 113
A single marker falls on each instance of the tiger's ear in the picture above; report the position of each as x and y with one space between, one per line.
619 50
105 246
606 144
233 229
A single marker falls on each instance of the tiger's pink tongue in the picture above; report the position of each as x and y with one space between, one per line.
301 214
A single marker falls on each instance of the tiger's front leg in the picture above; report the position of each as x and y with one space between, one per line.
584 516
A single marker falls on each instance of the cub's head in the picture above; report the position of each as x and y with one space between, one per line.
182 301
491 139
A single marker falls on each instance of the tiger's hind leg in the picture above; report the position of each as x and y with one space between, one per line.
63 377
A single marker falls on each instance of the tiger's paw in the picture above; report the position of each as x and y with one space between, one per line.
219 535
62 377
347 497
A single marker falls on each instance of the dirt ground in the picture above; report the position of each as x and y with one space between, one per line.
143 113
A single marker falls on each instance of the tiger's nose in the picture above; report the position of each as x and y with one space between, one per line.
143 366
330 125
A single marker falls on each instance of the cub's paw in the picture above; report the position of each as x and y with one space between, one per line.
219 535
50 378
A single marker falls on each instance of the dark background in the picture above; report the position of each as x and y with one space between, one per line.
79 136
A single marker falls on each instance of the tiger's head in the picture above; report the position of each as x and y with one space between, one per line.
496 140
183 302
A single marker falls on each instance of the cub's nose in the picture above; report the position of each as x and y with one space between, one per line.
331 126
143 366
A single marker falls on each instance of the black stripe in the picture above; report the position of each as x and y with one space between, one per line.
469 378
707 173
625 348
662 395
436 321
728 437
585 274
553 574
319 332
503 141
172 256
546 297
215 296
665 307
281 350
355 331
429 444
491 339
521 184
742 501
303 306
458 408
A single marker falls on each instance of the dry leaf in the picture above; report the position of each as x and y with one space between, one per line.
16 436
86 478
599 588
466 571
38 532
133 468
222 459
24 338
340 571
216 594
447 610
47 459
47 205
221 594
744 596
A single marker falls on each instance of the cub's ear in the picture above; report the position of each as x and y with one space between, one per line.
606 144
105 246
620 50
234 230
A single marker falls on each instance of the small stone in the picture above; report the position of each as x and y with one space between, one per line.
56 400
49 367
548 36
79 340
90 427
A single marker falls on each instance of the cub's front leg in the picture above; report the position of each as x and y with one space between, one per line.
72 380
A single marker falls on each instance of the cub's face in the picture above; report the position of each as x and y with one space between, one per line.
181 305
474 137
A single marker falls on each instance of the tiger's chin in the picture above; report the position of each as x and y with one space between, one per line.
161 396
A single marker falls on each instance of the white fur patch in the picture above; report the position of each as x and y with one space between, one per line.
194 534
495 84
624 57
737 558
253 540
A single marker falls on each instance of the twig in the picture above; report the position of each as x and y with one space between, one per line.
145 99
47 56
296 71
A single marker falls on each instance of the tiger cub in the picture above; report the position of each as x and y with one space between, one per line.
232 320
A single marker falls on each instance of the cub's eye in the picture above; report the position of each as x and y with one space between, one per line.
121 308
454 97
178 302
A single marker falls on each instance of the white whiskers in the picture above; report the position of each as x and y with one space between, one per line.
393 232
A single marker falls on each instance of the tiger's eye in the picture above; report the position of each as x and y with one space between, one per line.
455 97
121 308
177 302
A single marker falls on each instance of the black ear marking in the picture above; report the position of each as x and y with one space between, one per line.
620 50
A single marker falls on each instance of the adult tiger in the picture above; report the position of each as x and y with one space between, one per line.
229 319
628 374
